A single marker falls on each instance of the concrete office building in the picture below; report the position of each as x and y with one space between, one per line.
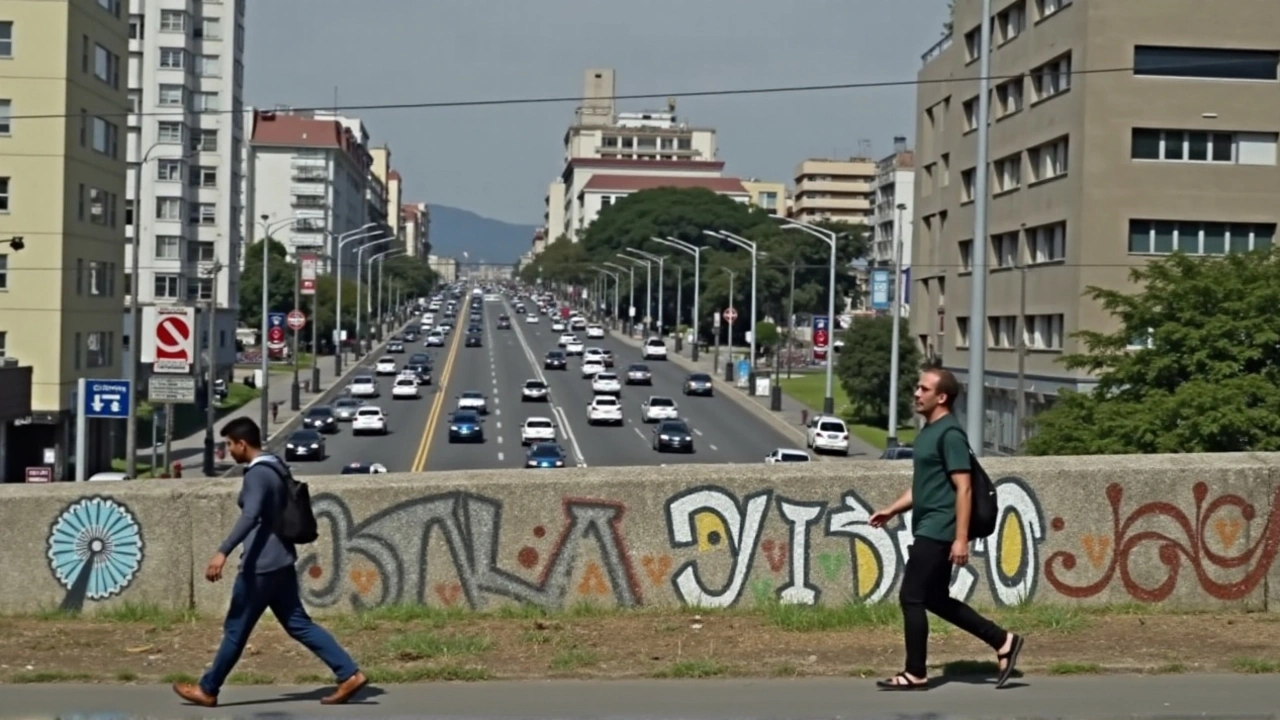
768 196
1092 173
185 138
834 190
63 94
894 185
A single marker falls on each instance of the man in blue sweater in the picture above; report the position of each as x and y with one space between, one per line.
267 577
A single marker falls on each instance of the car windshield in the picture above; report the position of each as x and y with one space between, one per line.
305 436
606 401
557 355
661 402
606 376
466 418
388 360
653 342
538 424
369 412
545 451
535 385
346 403
365 380
700 377
829 426
472 395
639 368
406 382
418 358
793 457
674 428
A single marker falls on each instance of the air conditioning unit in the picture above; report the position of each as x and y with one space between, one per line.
9 362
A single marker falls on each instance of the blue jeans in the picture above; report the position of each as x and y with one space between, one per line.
251 595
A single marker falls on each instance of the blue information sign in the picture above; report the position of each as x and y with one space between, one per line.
105 399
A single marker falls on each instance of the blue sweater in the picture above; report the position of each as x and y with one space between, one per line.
262 494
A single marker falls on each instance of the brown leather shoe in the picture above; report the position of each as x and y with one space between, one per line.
194 695
346 689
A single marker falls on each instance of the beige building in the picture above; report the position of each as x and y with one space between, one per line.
1092 172
62 188
834 190
445 267
768 196
415 228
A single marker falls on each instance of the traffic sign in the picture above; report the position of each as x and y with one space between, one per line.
104 398
821 337
307 281
879 289
730 315
297 320
275 330
172 389
172 339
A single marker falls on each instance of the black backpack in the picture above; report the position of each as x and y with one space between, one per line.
985 512
295 522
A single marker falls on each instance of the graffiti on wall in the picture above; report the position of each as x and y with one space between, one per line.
712 519
95 550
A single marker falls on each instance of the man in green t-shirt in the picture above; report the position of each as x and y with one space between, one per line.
941 499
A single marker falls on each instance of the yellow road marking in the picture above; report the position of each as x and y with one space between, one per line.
442 386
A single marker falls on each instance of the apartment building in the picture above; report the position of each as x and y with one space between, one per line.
1164 139
890 224
415 229
63 97
446 268
768 196
316 171
185 152
384 190
834 190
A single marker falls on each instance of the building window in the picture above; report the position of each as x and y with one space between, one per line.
97 350
962 332
6 116
973 44
1210 147
167 286
97 278
173 58
204 101
170 132
1002 331
205 214
169 170
201 251
200 289
209 66
4 274
111 6
1012 21
1009 97
169 208
1004 249
1007 172
970 107
137 27
207 177
1047 243
1042 332
6 38
172 95
98 206
1162 237
210 29
206 141
106 66
1049 160
966 256
173 21
1052 78
1206 63
1045 8
105 137
168 247
967 185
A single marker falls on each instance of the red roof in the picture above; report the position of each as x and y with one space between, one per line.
288 130
394 175
633 183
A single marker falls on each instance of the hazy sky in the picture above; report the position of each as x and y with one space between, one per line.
497 161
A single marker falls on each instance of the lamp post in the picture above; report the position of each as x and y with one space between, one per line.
828 402
359 281
631 270
662 262
346 237
615 277
892 439
380 258
751 247
975 395
696 252
733 274
264 399
648 303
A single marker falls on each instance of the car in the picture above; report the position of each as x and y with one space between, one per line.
638 374
573 347
699 384
531 319
827 434
555 360
606 383
545 455
783 455
359 468
654 349
385 366
590 367
344 409
405 388
595 332
604 409
672 435
363 386
578 323
535 390
304 444
466 426
410 336
504 322
321 419
901 452
445 327
408 373
370 419
420 358
557 326
607 356
520 310
473 400
658 408
593 353
395 347
435 338
565 339
473 341
537 429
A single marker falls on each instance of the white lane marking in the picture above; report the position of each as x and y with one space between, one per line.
639 433
697 432
496 411
499 439
713 447
499 425
556 410
499 457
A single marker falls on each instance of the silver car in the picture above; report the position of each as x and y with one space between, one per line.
344 409
639 375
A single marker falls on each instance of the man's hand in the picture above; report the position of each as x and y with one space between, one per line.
213 573
960 552
880 517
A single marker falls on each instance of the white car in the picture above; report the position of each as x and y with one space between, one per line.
593 354
654 349
535 391
369 419
557 326
531 319
828 434
473 400
385 366
405 388
658 408
591 367
363 386
408 375
578 323
565 339
785 455
573 347
606 383
435 338
537 429
595 332
604 409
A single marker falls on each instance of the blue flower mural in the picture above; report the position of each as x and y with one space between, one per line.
95 550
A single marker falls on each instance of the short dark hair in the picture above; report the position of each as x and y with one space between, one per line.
947 385
243 430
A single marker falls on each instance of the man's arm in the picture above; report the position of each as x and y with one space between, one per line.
902 504
964 504
254 496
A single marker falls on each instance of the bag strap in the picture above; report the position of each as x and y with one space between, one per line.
942 451
281 470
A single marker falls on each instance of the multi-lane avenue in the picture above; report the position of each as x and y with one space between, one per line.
419 438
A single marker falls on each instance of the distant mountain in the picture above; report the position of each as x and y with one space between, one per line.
455 231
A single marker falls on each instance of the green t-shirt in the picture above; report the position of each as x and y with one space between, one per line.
933 497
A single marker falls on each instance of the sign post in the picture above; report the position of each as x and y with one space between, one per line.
275 331
879 289
307 264
98 399
296 320
821 337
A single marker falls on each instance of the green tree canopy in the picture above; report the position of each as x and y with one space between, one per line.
282 275
865 364
1193 367
413 274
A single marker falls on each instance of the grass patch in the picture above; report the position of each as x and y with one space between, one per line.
1051 618
440 673
812 618
125 676
1255 666
179 677
428 645
248 677
147 613
313 679
692 670
785 669
1173 668
573 658
1074 668
49 676
810 390
536 637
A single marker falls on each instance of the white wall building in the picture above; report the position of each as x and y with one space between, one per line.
602 190
185 145
894 185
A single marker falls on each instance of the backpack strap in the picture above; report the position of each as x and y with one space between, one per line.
942 451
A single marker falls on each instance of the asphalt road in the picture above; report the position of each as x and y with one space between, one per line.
722 432
1079 698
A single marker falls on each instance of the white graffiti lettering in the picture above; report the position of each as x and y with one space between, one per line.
743 527
799 590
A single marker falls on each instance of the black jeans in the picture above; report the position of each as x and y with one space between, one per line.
926 587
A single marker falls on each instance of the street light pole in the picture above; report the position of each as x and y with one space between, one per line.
648 303
696 252
892 438
751 247
357 234
661 266
631 289
975 394
359 280
729 325
211 410
264 399
379 258
828 402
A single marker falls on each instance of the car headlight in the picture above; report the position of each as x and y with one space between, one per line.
533 463
559 463
289 446
664 437
315 446
454 428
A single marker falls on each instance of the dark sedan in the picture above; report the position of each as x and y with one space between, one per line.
474 340
304 445
504 322
672 435
555 360
545 455
466 426
699 384
395 347
322 419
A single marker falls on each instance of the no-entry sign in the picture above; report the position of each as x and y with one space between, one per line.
173 338
297 320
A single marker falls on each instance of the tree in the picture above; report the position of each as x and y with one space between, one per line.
413 274
282 276
950 24
865 364
562 261
1205 376
766 337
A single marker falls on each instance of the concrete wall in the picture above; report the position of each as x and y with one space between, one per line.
1197 531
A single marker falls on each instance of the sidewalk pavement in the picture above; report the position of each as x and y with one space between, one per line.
792 416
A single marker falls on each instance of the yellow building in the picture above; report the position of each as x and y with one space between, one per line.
835 190
768 196
63 104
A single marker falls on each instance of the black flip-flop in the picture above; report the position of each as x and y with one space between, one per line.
1012 657
902 681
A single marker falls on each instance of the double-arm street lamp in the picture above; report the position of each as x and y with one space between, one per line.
662 263
362 233
648 294
828 236
380 258
750 247
264 400
359 283
616 278
631 290
696 252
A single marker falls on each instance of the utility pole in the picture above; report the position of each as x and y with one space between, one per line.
975 394
791 321
211 411
295 393
315 339
894 351
1020 420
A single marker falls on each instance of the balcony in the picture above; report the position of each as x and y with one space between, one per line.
309 226
310 176
309 201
